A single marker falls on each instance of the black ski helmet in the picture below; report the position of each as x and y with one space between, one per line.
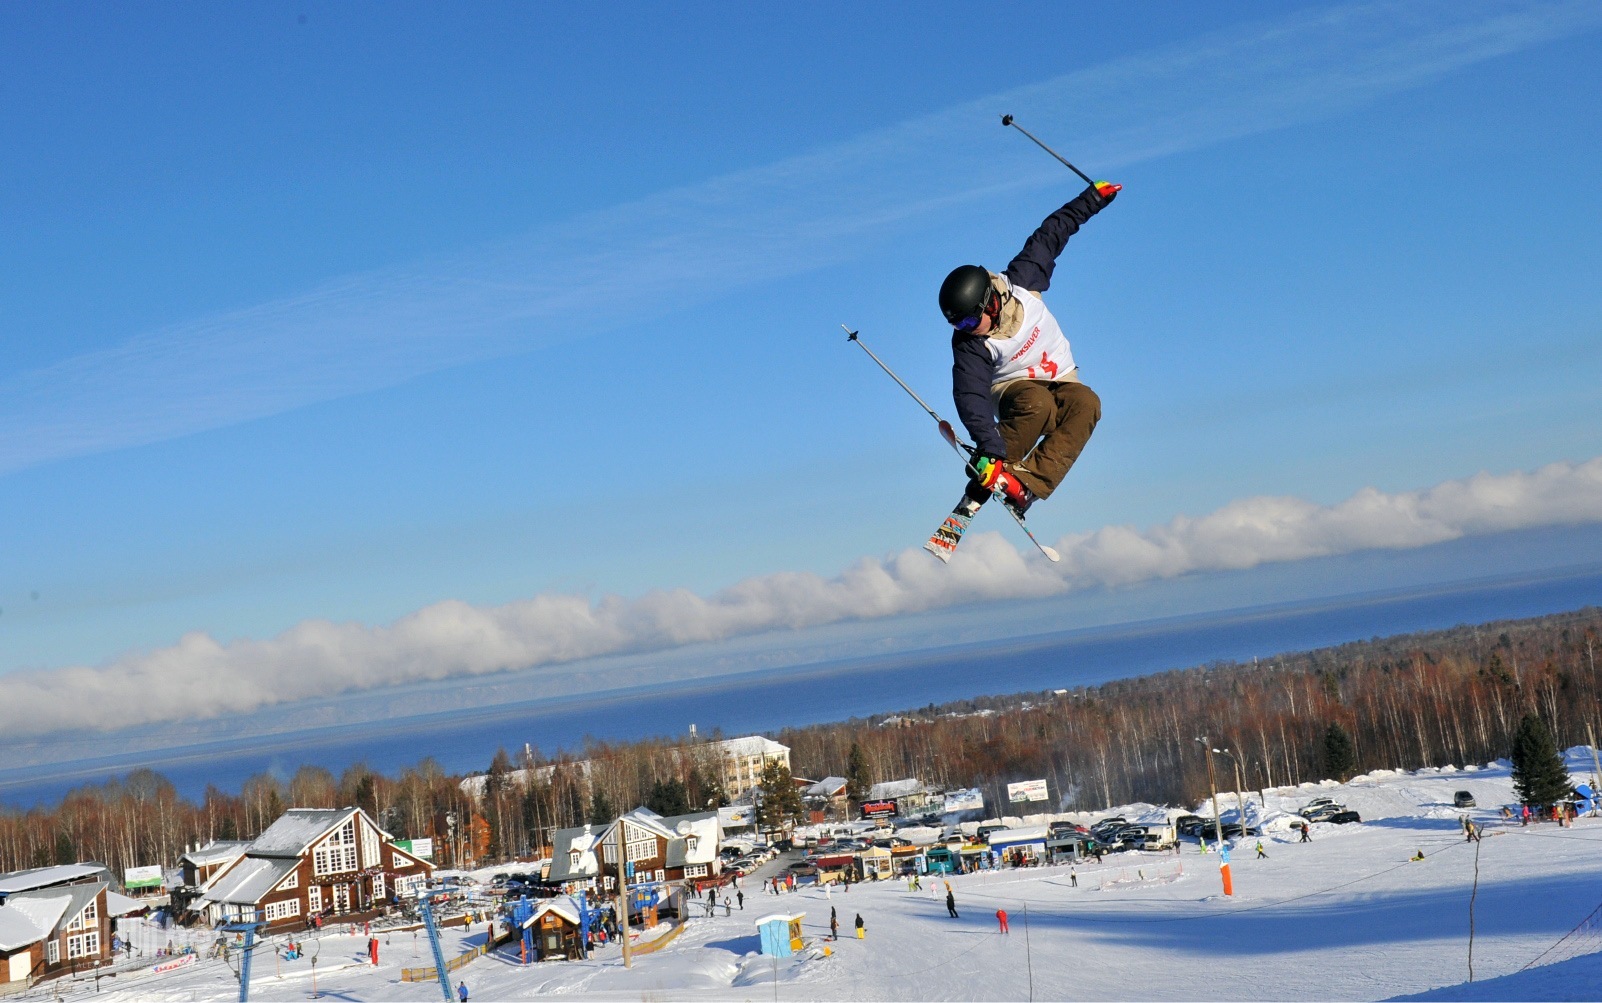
965 293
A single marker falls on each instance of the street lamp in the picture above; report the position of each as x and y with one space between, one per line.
1240 803
1212 784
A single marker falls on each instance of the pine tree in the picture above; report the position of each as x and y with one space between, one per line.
668 798
1539 776
1340 757
601 811
857 781
781 799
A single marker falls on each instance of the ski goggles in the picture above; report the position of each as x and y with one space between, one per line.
967 324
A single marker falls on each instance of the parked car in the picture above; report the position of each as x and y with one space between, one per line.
1343 817
1317 803
1463 799
1321 813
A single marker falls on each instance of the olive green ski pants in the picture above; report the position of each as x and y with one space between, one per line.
1047 425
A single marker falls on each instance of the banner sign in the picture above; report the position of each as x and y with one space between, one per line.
878 809
969 800
178 962
1029 790
422 849
142 877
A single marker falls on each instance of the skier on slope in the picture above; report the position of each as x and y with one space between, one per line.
1012 361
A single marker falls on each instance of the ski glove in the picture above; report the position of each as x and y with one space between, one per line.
986 470
1107 190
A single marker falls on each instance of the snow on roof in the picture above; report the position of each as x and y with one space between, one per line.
218 851
892 789
297 829
704 826
564 906
1029 834
563 845
247 881
782 917
749 745
44 877
28 919
122 905
827 787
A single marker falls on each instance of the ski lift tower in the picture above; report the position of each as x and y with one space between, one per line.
249 928
426 906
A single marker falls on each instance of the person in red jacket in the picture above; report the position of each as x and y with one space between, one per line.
1001 918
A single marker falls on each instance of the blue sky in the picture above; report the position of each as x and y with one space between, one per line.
319 316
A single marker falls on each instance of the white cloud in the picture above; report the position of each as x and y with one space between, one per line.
201 678
374 330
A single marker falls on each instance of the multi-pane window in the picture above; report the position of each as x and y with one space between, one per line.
337 853
282 910
293 881
53 951
575 857
83 945
378 886
90 916
695 870
370 857
314 898
641 849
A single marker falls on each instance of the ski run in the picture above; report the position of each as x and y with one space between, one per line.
1347 916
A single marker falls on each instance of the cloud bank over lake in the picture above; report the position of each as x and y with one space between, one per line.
199 677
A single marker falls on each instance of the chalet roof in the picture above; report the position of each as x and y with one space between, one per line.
828 787
45 877
296 829
249 880
565 906
218 851
705 827
583 839
28 918
122 905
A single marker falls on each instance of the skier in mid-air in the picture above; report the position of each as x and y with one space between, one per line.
1012 361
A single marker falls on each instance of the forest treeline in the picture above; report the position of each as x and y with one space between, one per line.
1446 697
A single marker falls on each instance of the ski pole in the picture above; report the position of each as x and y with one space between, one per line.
1006 120
946 431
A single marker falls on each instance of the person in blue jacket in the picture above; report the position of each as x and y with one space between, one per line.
1013 377
461 992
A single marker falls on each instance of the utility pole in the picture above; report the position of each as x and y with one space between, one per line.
1212 784
623 893
1596 778
1240 803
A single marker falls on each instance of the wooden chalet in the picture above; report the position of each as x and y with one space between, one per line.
673 849
558 931
332 862
53 920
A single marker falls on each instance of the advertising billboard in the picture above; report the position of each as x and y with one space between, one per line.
1028 790
142 877
422 849
737 816
969 800
878 809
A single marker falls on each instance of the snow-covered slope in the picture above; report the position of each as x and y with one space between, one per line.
1347 916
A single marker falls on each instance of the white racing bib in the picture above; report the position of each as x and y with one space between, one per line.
1039 351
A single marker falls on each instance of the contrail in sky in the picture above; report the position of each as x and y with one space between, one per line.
368 331
320 659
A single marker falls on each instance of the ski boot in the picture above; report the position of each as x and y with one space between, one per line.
994 475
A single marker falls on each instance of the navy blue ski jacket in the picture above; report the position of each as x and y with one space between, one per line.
971 365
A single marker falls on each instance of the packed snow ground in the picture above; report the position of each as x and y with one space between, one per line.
1347 916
